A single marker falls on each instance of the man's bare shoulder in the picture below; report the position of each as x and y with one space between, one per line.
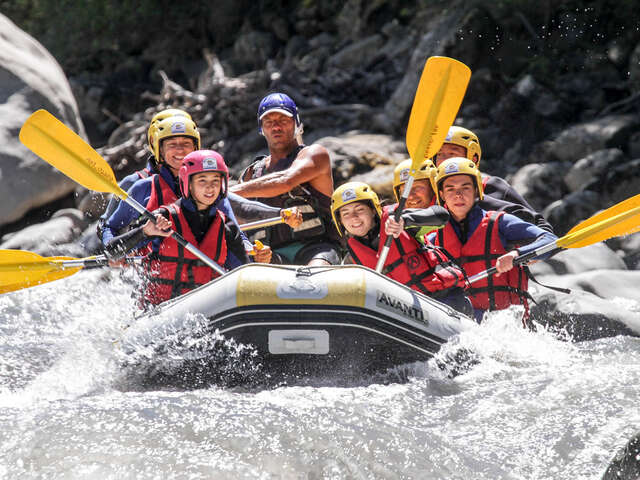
316 153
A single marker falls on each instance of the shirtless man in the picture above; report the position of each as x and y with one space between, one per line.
292 175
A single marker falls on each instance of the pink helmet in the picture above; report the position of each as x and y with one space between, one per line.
202 161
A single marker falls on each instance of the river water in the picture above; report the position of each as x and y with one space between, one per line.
535 407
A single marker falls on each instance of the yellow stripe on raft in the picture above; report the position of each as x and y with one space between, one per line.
340 286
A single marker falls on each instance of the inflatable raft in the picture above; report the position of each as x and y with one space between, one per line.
299 322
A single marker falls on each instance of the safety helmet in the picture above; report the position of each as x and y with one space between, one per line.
202 161
176 126
401 174
281 103
161 115
466 139
457 166
352 192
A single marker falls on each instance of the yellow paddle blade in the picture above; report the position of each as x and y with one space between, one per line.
37 278
440 92
618 208
53 141
622 223
20 269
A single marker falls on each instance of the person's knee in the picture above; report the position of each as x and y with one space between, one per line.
318 254
319 262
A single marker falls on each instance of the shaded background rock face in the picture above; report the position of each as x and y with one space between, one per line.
554 94
30 78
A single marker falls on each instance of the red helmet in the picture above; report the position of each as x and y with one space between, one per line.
202 161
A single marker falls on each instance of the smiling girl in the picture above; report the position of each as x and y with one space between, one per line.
357 213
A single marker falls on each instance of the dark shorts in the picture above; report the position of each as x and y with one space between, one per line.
302 254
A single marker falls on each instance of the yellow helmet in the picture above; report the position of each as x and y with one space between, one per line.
457 166
401 174
161 115
467 139
352 192
176 126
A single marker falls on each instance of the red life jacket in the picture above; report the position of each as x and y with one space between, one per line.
161 193
175 270
480 253
426 269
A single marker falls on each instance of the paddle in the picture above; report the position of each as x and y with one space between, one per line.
267 222
52 140
438 97
621 219
22 269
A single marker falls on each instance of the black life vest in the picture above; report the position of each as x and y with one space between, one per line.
314 206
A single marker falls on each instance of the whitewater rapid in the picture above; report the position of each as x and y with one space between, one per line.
535 407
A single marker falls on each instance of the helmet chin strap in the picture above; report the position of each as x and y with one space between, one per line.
298 133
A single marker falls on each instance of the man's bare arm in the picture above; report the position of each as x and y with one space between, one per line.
312 165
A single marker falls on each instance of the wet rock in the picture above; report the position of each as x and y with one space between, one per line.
349 20
581 319
92 204
252 49
43 238
565 213
580 140
530 94
441 32
31 79
625 465
628 247
355 153
540 183
598 256
589 171
602 303
358 53
634 145
601 283
89 241
380 178
622 182
634 70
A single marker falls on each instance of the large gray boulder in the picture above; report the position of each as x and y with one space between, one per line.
30 79
590 170
625 465
440 33
580 140
45 238
579 260
541 183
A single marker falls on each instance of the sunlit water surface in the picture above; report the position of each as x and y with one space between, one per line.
535 407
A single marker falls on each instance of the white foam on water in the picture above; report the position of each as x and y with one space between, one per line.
535 406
